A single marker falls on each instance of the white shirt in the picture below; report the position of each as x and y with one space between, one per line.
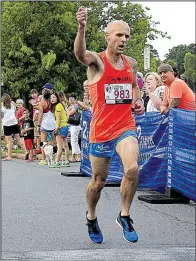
156 93
48 121
9 117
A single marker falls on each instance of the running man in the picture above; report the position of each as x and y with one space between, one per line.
113 125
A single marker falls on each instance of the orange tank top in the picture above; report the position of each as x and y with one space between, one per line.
111 99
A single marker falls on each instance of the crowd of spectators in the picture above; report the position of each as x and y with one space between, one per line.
53 119
49 118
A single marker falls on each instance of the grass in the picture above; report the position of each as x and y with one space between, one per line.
3 144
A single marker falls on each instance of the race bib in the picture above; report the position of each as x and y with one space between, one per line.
120 93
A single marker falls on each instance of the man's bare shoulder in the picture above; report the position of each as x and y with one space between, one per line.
178 83
132 62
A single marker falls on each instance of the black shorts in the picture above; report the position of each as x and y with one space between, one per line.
9 130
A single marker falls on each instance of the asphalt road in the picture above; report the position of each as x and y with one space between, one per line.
43 218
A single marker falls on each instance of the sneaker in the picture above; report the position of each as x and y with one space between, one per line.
126 223
94 230
55 165
43 162
65 164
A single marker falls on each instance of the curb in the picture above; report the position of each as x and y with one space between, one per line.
20 155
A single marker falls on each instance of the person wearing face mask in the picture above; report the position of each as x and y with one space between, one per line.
177 93
155 89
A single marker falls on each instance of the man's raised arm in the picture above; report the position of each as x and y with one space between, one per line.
84 56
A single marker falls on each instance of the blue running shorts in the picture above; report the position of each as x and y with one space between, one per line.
108 148
63 131
49 136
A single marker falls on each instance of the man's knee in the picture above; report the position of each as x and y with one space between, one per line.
131 172
99 183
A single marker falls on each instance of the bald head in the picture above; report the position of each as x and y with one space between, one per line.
85 86
117 35
112 26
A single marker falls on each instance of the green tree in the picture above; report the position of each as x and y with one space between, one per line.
153 63
172 63
38 38
37 47
177 54
190 66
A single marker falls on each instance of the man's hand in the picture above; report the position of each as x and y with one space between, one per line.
138 107
163 109
79 103
161 95
81 16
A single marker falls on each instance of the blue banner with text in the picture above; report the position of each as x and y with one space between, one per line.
159 147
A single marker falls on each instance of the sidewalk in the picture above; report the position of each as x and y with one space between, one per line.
19 155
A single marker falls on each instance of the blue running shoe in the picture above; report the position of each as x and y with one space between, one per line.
94 230
126 223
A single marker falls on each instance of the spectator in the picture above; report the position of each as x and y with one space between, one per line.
140 80
10 125
37 137
86 99
85 104
177 94
145 96
74 128
28 133
35 103
142 87
19 111
46 120
20 117
85 86
61 131
35 100
49 87
63 99
155 89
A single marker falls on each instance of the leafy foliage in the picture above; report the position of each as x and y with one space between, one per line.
38 38
172 63
183 57
177 54
189 65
